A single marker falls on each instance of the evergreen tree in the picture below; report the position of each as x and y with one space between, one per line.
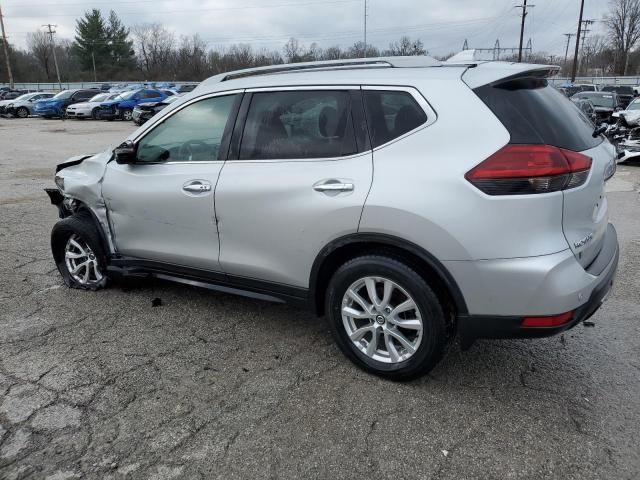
122 54
92 40
105 41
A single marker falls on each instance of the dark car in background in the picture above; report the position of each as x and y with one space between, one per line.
605 104
571 90
625 93
11 94
57 105
144 111
122 106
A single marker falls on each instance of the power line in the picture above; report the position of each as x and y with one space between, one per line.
212 9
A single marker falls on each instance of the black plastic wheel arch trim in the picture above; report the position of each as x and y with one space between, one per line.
385 239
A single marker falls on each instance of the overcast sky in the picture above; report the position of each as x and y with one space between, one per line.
443 25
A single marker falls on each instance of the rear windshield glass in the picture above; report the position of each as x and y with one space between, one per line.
535 113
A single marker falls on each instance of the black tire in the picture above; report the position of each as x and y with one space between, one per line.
22 112
126 112
94 113
434 340
81 225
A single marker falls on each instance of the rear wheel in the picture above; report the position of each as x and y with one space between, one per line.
22 112
78 253
386 318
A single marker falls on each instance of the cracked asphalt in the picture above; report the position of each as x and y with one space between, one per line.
101 385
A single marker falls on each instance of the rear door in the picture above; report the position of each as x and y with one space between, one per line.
535 113
299 171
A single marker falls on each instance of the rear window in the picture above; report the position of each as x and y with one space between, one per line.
391 114
535 113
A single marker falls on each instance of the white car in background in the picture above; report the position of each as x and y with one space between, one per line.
22 105
90 108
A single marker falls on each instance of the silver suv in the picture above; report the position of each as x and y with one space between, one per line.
406 199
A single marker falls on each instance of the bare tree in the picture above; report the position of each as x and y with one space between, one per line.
154 46
406 46
40 48
623 23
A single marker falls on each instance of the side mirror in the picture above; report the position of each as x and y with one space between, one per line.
125 153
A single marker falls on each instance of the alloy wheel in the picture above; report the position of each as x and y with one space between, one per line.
22 112
382 320
81 262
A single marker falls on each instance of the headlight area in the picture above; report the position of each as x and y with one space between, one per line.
66 206
59 181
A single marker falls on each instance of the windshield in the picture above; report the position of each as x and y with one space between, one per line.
64 94
26 96
126 95
635 105
99 98
598 100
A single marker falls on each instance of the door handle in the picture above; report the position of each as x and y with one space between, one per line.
197 186
333 186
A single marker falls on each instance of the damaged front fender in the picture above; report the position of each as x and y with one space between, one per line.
80 187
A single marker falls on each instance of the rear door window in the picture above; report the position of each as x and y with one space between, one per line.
298 124
536 113
391 114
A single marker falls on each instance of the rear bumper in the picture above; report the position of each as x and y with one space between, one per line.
602 273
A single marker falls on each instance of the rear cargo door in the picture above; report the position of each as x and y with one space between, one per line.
536 113
585 216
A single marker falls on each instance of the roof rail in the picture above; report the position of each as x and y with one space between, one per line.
374 62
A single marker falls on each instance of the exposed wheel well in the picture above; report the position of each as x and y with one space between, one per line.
434 274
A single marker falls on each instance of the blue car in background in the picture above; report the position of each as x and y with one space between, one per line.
122 106
56 106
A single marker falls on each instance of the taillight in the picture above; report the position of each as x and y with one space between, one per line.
548 321
526 169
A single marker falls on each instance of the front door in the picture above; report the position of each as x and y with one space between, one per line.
297 178
161 208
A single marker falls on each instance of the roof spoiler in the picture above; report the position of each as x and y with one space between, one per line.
494 72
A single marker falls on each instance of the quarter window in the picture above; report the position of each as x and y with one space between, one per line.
193 134
298 124
391 114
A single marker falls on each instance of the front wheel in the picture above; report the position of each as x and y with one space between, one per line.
22 112
127 114
386 318
78 253
94 114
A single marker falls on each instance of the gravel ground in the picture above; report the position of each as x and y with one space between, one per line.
206 385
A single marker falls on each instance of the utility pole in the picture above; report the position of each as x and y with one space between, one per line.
566 50
365 28
575 57
6 51
524 7
93 60
53 49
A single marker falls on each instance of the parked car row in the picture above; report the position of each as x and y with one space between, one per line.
138 105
